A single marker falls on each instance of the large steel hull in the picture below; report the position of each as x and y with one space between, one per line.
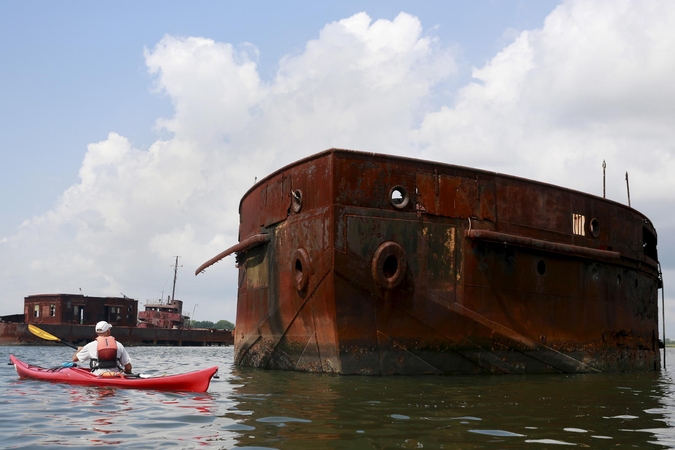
357 263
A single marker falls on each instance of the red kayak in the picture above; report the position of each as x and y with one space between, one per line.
197 381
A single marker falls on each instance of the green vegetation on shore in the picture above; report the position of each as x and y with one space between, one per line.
220 325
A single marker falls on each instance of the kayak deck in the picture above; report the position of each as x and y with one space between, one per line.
197 381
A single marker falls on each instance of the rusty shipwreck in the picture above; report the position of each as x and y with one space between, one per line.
72 317
362 263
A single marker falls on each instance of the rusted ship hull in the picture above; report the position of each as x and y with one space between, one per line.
358 263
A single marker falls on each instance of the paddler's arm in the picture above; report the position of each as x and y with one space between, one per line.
127 368
75 358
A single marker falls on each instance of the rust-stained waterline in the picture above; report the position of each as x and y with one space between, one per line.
360 263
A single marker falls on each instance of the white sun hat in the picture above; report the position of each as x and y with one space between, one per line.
103 326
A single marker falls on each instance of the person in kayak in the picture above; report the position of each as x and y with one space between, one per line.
104 354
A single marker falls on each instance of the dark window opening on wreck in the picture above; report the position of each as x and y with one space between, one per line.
649 244
390 266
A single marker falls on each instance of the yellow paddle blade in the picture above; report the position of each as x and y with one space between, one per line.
42 333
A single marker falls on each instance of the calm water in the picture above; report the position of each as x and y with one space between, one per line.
248 408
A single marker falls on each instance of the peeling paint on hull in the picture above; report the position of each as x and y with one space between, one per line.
359 263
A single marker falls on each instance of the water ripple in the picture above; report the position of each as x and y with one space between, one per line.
548 441
256 409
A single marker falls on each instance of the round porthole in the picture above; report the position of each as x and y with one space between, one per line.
594 227
301 269
297 200
389 265
594 274
541 267
398 196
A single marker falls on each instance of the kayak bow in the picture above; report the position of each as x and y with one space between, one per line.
197 381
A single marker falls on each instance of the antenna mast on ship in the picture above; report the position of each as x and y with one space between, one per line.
175 273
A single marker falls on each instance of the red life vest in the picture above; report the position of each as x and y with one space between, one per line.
107 352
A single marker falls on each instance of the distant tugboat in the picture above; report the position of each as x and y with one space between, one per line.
359 263
159 314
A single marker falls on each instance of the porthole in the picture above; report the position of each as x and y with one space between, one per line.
594 226
389 265
594 274
398 196
301 269
541 267
297 200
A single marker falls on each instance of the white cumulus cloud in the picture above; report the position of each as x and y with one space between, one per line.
360 84
591 85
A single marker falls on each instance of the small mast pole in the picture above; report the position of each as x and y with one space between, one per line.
628 189
604 166
175 274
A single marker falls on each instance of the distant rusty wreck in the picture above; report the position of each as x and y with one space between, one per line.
361 263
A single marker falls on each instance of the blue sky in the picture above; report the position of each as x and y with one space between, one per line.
74 71
127 137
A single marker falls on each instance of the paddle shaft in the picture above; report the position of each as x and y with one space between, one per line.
68 344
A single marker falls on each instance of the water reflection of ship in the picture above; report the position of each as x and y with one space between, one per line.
587 410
